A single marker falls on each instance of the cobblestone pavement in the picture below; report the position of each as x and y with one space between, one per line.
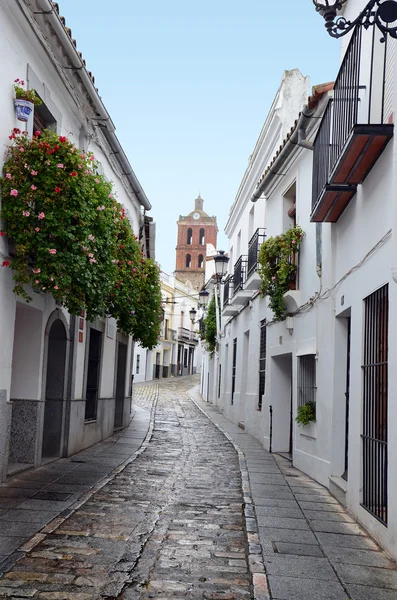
34 498
170 525
312 547
144 395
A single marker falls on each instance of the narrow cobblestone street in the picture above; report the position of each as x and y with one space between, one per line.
170 525
201 511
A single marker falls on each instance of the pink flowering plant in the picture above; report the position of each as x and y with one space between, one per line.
22 94
278 265
135 299
68 232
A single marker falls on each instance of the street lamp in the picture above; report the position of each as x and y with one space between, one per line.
382 13
192 313
221 261
204 296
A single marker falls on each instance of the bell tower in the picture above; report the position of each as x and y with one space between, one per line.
195 231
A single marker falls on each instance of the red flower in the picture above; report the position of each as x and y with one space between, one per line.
6 263
2 234
62 139
73 174
57 190
37 133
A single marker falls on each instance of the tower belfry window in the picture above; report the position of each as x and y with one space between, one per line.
200 261
188 261
189 236
202 236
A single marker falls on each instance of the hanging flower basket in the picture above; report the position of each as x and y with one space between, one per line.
25 100
23 108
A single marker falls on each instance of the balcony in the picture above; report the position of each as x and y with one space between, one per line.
228 309
253 281
240 294
170 335
187 336
356 126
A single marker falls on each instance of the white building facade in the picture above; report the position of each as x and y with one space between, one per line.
333 174
65 384
178 351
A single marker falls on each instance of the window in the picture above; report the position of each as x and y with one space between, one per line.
375 408
93 370
201 261
167 323
138 360
262 363
306 379
202 237
289 207
188 261
185 358
189 236
234 368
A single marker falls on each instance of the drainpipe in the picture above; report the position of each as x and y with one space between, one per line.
297 138
103 117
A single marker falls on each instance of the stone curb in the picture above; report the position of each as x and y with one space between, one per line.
64 515
256 563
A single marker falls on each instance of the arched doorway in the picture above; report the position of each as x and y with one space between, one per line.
54 391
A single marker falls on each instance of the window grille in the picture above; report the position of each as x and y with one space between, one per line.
262 363
306 379
375 404
234 369
138 360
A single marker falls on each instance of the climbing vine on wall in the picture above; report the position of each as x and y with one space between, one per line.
70 237
278 265
210 327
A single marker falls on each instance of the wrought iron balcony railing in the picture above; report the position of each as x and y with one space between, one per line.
253 250
227 286
356 125
183 334
240 274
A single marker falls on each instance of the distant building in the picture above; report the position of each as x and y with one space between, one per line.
178 351
195 232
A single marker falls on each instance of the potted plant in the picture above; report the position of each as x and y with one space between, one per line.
25 100
306 413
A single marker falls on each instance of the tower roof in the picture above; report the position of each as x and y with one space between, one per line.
198 207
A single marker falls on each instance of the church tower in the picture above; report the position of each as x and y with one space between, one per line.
195 231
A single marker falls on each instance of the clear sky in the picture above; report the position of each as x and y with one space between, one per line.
188 86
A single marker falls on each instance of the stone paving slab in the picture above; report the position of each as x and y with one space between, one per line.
28 499
312 548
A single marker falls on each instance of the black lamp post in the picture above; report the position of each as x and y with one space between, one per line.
193 313
382 13
221 261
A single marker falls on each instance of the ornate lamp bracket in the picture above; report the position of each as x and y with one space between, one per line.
382 13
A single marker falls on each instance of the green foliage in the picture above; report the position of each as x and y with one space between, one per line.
306 413
73 239
210 327
278 268
29 95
